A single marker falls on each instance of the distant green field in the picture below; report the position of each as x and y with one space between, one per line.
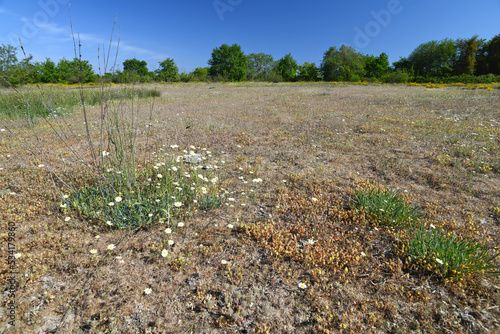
35 102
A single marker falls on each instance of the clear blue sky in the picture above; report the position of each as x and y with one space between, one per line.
188 30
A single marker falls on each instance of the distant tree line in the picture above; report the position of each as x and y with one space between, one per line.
471 60
464 60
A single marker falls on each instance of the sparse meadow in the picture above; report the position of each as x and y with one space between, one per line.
252 208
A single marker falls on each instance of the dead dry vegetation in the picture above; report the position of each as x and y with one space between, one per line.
290 254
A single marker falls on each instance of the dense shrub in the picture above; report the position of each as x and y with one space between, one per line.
395 77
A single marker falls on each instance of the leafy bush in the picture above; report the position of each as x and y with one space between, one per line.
274 76
465 78
75 71
308 72
488 78
200 73
354 78
395 77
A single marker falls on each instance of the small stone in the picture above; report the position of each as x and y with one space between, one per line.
51 323
193 158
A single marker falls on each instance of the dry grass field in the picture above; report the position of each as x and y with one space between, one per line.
283 245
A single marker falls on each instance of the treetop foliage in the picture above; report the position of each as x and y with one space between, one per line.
309 72
135 66
168 71
287 67
228 63
260 66
344 64
8 57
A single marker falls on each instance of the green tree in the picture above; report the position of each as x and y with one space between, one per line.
200 73
489 57
493 58
75 71
119 77
228 63
344 64
287 67
308 72
466 55
403 65
8 58
185 77
434 58
135 66
46 72
259 66
22 72
168 71
376 67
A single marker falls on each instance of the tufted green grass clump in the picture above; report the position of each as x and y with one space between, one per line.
209 202
386 206
449 256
